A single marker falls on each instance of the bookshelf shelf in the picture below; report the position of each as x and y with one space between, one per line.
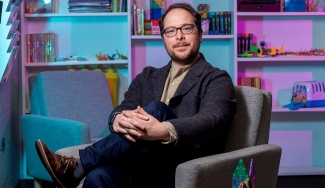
156 37
284 58
281 109
280 13
301 170
117 62
49 15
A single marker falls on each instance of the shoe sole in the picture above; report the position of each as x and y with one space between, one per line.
42 156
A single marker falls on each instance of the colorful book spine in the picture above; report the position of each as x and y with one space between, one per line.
229 23
28 48
247 45
52 47
225 22
135 19
250 36
140 16
221 16
218 22
38 47
239 44
115 5
34 48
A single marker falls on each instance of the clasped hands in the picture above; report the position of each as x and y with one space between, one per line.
138 124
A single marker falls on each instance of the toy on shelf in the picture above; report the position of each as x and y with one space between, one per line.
39 6
70 59
316 6
119 56
102 57
307 94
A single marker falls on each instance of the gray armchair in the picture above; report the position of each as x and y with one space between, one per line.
247 139
68 108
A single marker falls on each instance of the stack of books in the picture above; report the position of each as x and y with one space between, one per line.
245 41
40 47
89 6
250 81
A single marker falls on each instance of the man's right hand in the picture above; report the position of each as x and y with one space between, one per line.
126 124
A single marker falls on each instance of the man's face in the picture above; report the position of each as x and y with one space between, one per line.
182 48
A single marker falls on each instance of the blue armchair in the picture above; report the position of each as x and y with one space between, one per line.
68 108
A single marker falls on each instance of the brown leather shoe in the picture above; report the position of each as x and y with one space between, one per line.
61 168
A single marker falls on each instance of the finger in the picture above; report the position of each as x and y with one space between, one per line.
136 113
121 130
129 138
128 123
133 133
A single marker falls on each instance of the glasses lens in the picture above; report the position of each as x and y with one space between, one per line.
186 29
170 31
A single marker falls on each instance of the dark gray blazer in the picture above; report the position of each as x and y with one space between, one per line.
204 103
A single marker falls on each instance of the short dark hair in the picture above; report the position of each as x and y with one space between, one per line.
185 6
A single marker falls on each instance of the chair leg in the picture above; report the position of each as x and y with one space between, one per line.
38 183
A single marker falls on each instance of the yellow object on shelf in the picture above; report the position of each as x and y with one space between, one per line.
112 78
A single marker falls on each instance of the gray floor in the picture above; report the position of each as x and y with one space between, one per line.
283 182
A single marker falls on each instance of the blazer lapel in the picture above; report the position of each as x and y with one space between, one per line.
159 81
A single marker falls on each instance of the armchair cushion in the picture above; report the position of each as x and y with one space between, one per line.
216 170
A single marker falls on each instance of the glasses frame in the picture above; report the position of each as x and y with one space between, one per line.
180 28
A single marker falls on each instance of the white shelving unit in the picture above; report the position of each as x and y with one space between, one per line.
78 34
273 70
84 34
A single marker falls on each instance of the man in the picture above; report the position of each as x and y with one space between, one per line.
168 116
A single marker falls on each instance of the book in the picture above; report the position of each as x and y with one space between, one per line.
212 21
218 22
221 18
135 20
140 21
28 48
239 44
229 23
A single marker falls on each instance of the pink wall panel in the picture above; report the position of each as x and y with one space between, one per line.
138 51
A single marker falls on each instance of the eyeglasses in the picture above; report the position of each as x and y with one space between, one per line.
185 29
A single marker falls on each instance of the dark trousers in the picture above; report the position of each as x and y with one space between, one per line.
115 162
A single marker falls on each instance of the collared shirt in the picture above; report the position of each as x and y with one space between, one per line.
174 78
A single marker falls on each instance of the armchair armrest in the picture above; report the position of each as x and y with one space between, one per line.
216 170
57 133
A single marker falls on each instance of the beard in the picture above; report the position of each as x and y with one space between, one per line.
188 58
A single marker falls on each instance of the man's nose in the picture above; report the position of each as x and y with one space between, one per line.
179 34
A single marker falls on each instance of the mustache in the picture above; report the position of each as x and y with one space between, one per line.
180 44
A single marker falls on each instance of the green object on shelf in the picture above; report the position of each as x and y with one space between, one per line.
245 55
